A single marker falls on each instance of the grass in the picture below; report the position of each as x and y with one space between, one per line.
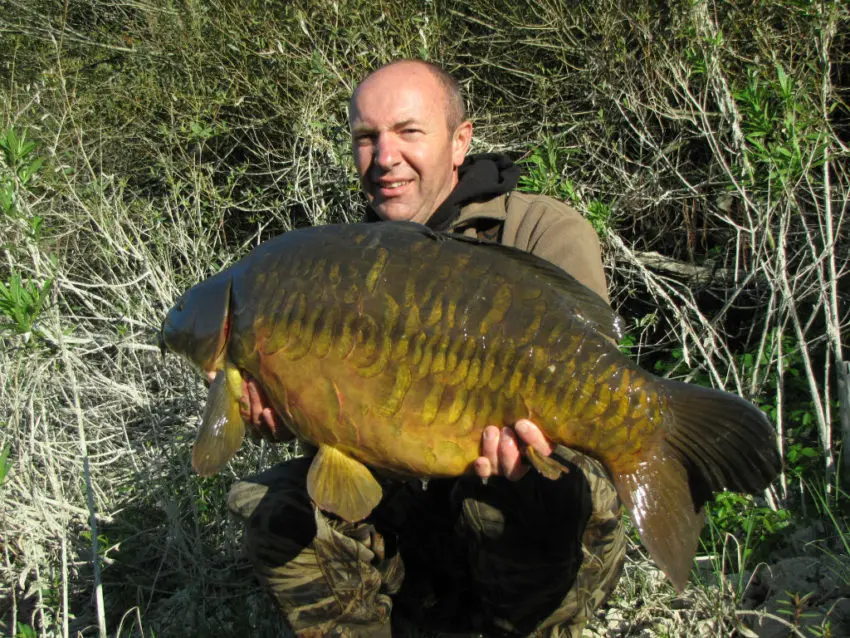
143 147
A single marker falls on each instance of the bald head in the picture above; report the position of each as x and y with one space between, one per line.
409 137
453 104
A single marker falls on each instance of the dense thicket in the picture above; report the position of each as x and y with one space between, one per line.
146 144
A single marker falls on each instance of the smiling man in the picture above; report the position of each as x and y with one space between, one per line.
408 146
514 555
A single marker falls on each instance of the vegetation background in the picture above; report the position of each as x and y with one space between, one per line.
145 144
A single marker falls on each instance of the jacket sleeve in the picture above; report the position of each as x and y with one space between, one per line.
559 234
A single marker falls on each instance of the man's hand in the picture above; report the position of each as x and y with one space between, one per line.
500 453
257 413
262 421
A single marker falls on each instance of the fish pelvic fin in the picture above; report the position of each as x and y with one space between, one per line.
222 427
342 485
710 441
546 465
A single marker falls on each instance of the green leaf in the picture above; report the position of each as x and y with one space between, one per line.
5 463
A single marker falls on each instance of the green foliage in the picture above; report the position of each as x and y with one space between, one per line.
781 126
19 156
543 171
796 608
599 216
25 631
21 303
19 167
801 459
627 343
674 363
103 543
803 456
833 506
759 528
206 496
5 463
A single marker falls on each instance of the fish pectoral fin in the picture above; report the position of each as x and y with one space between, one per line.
548 466
658 498
222 427
342 485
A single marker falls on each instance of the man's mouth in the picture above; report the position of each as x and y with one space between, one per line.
388 189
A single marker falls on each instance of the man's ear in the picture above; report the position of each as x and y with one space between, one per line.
460 142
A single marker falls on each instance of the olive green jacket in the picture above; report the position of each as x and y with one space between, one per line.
544 227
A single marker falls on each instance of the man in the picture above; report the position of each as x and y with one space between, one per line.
516 555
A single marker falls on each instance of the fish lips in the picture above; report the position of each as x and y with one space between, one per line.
198 325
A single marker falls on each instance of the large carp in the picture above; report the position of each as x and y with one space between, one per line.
391 346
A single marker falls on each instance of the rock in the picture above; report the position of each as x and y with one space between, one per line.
800 592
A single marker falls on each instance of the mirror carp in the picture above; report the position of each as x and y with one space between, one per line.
389 346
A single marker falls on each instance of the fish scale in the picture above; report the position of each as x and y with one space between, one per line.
390 348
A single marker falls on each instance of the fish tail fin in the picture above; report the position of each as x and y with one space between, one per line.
711 440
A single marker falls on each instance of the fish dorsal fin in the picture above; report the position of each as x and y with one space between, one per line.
342 485
588 305
222 427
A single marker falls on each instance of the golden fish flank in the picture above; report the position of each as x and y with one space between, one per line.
390 347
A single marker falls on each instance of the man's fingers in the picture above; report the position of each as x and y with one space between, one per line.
490 445
269 419
488 463
510 461
255 403
482 467
500 455
531 435
261 419
244 403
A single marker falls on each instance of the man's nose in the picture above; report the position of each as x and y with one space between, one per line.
387 153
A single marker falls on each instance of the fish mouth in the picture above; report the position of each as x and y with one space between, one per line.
199 325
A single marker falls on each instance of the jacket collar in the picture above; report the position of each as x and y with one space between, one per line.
495 209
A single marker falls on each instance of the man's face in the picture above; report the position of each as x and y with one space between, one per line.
405 154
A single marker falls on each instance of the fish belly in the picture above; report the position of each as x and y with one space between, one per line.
387 421
420 408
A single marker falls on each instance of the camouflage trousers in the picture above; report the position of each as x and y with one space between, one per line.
529 558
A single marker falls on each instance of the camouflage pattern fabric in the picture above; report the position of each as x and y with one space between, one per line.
330 578
603 551
530 558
